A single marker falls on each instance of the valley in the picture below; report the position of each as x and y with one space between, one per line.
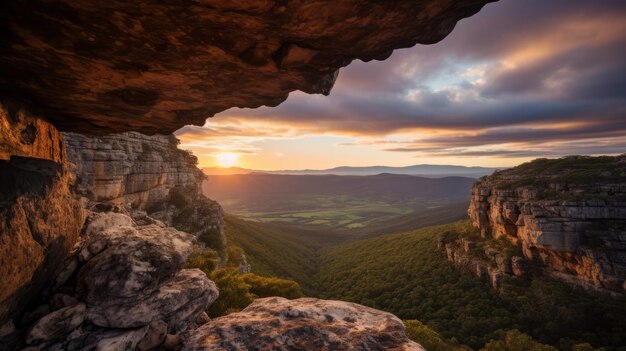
404 273
397 262
330 201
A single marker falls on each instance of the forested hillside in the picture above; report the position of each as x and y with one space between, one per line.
407 275
292 251
278 250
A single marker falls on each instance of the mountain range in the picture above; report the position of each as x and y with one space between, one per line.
425 170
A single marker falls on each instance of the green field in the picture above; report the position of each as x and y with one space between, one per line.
335 211
333 202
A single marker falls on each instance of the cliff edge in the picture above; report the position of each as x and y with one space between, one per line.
568 217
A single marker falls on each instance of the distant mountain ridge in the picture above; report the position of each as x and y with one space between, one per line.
424 170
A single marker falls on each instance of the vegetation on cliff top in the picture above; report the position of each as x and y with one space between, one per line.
566 170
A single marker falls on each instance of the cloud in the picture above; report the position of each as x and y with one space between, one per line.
548 75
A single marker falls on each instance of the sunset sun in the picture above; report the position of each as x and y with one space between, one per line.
227 159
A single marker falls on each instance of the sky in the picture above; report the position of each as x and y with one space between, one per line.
518 81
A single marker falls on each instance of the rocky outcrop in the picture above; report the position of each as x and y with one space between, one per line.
123 287
39 218
101 67
568 216
484 259
303 324
148 173
131 169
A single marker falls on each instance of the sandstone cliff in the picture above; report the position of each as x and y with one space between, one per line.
568 217
130 169
148 173
40 220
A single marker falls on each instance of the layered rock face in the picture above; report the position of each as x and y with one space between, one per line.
568 216
304 324
147 173
131 169
39 218
484 259
116 66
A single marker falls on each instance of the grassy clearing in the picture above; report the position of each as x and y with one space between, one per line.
333 211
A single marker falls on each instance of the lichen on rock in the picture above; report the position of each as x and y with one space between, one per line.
276 323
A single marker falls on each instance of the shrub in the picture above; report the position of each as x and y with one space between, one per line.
238 291
514 340
430 339
266 287
234 294
205 260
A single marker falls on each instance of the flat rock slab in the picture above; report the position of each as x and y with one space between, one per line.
304 324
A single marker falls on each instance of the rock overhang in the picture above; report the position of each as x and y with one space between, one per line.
103 67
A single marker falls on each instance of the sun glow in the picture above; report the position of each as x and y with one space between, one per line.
227 159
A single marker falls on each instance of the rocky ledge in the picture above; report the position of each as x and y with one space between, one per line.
485 259
148 173
567 216
131 169
122 289
100 67
304 324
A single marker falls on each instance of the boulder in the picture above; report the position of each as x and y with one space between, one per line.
129 261
155 336
178 302
304 324
102 339
56 325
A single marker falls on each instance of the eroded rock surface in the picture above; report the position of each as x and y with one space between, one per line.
128 261
485 259
304 324
177 302
127 288
101 67
148 173
568 216
56 324
39 218
131 168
